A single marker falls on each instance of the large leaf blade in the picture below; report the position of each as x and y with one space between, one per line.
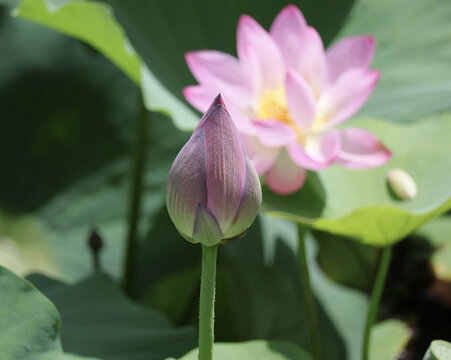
30 323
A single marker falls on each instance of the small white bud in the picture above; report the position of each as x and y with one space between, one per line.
402 184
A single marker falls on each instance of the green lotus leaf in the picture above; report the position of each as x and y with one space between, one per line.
389 339
30 325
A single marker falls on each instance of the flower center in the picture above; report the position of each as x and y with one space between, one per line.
273 105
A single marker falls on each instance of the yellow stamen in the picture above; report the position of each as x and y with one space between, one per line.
273 105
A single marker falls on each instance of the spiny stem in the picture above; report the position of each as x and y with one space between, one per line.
375 299
135 196
207 302
310 305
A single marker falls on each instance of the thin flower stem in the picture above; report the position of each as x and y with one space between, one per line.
139 150
207 302
96 263
310 305
375 299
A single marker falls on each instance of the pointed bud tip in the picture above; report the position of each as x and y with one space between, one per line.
218 100
216 108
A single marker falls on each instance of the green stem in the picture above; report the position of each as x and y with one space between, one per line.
96 263
309 298
207 302
135 197
375 299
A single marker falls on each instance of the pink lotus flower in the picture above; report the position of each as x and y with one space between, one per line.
213 191
287 94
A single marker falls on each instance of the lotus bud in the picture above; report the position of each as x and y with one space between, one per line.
213 191
402 184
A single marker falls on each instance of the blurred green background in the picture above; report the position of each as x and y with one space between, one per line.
66 135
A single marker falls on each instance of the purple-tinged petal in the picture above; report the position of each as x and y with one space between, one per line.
286 30
312 62
187 187
285 176
225 163
319 153
206 228
301 101
361 149
261 156
212 186
323 147
250 203
273 133
267 53
348 53
201 97
346 96
222 72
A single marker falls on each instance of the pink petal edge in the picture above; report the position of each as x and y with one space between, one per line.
360 149
285 177
347 95
300 99
321 156
348 53
221 71
312 62
261 156
274 133
201 96
266 51
286 30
